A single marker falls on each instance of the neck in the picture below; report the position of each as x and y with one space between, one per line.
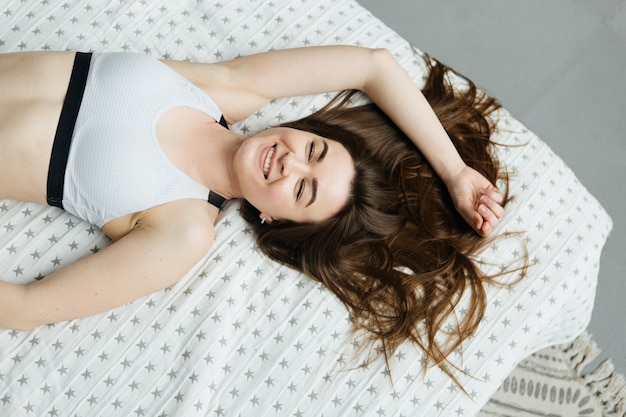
214 161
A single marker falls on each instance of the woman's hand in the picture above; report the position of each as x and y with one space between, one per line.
476 199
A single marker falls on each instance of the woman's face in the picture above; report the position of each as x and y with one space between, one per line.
288 174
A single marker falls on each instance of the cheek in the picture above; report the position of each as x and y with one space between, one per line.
272 197
279 192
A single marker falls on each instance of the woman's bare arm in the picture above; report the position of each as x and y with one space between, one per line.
243 85
152 257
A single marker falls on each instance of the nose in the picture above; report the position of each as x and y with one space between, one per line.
290 164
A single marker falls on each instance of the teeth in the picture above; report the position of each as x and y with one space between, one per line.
268 160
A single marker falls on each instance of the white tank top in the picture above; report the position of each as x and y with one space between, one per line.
115 165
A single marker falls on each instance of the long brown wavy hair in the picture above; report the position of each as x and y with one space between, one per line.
398 255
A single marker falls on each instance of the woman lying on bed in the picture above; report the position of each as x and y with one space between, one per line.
137 146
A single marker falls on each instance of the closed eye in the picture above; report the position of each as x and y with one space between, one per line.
300 190
311 151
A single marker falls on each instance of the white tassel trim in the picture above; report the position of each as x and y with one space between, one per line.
603 382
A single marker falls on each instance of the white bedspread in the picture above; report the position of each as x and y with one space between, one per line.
240 335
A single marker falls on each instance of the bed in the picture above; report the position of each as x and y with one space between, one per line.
240 335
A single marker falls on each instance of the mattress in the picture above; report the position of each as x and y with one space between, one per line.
240 335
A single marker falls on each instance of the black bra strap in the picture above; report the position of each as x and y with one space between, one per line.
216 200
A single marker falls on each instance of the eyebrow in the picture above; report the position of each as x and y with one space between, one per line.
313 192
324 151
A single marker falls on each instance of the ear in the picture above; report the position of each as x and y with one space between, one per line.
265 218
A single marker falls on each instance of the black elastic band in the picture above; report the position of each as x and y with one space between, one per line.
216 200
65 129
223 122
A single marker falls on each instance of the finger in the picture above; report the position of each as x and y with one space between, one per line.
476 221
492 205
480 225
486 229
493 193
488 215
469 214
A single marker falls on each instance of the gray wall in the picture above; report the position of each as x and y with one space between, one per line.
560 67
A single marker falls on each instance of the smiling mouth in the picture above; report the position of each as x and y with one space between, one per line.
268 161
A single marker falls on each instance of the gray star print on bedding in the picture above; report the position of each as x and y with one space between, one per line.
240 335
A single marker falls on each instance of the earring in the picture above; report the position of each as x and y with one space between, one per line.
263 220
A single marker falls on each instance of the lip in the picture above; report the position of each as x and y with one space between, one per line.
264 157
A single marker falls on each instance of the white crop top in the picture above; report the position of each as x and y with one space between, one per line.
115 165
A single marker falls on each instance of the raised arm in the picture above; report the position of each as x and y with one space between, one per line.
243 85
374 71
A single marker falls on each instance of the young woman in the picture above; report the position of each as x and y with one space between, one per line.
136 146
